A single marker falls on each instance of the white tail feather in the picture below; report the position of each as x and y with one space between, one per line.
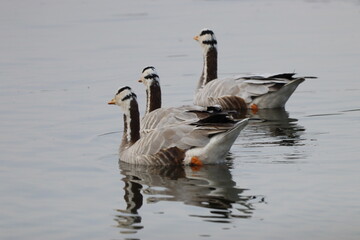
278 98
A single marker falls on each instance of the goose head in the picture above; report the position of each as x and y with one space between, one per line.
206 38
123 98
149 76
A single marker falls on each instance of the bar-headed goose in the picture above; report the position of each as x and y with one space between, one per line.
204 142
156 116
260 91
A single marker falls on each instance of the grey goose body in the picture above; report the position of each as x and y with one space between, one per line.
196 143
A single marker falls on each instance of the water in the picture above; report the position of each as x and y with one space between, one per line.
292 176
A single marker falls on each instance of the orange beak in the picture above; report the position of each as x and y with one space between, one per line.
196 38
112 101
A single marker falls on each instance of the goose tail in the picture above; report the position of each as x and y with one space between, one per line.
278 98
217 148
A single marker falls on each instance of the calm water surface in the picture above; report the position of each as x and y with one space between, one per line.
292 174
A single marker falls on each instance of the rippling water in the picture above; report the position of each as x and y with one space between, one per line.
291 174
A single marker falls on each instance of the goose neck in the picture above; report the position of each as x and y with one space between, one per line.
209 72
153 95
131 125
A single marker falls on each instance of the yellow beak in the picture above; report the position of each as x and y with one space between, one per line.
196 38
112 101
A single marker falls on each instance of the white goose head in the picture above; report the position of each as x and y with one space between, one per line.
206 38
149 76
123 98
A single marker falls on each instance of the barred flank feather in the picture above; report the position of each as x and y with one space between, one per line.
229 102
168 156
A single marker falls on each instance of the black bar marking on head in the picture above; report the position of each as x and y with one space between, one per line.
207 31
122 89
153 75
148 67
131 95
209 42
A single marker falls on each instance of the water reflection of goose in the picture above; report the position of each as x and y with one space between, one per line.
274 126
210 187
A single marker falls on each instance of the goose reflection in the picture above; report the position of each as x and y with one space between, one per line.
208 187
274 126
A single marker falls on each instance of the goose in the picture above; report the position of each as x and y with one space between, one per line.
254 92
156 116
203 142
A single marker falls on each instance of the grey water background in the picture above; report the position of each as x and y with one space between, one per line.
293 176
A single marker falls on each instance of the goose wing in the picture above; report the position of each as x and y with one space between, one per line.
174 116
183 136
164 117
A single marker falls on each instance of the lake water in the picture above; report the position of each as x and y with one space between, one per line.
293 176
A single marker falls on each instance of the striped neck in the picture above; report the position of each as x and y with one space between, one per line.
210 66
153 95
131 125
